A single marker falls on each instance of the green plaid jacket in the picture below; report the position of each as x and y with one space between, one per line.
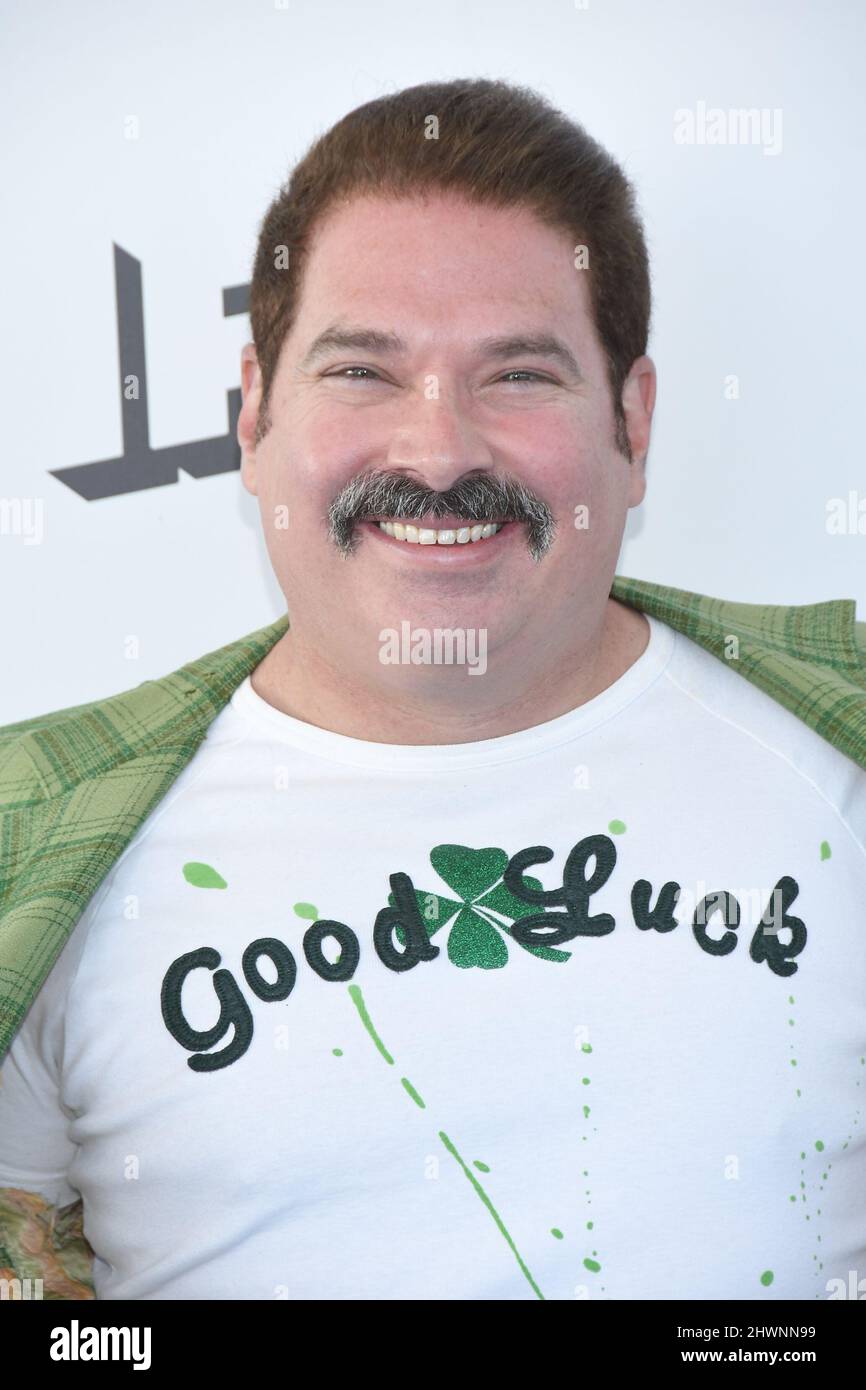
76 784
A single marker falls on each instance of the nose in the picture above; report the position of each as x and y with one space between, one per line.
436 443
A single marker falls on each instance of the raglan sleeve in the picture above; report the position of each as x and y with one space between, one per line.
35 1148
41 1213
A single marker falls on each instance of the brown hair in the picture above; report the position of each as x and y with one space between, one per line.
495 144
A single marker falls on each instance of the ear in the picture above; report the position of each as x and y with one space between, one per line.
251 395
638 403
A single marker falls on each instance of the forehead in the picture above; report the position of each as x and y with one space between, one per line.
442 261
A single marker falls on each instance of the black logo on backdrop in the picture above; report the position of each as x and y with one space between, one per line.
140 466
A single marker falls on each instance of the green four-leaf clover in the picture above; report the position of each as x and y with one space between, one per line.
477 937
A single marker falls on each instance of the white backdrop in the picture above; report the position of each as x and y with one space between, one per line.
757 268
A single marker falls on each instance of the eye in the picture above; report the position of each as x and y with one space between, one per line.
528 376
340 372
518 376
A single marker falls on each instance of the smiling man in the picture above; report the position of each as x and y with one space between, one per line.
443 397
340 964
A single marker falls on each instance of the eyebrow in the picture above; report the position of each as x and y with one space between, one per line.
338 338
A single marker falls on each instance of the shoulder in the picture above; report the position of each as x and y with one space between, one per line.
50 754
769 730
76 784
46 756
810 659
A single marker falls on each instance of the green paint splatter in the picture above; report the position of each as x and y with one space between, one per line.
825 850
586 1112
203 876
337 1051
358 1000
482 1166
555 1231
593 1265
306 910
412 1092
819 1145
616 827
586 1047
490 1207
585 1080
589 1225
767 1278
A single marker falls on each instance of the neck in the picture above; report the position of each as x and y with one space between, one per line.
447 705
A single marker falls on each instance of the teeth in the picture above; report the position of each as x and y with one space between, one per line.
425 535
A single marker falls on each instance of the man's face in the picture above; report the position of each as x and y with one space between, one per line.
435 400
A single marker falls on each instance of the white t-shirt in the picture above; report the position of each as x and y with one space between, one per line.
264 1085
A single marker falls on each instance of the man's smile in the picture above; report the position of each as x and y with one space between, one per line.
459 544
441 531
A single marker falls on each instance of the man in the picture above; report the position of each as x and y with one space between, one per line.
489 927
